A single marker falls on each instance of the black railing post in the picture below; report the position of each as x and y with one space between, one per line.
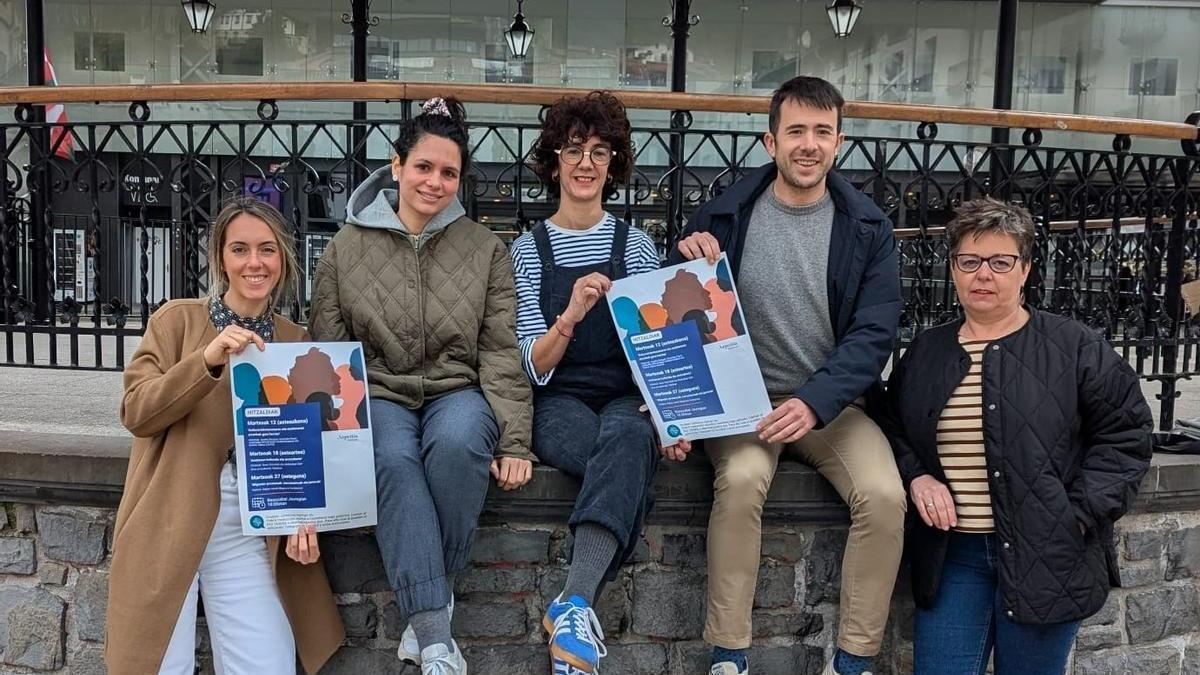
360 26
41 289
1002 97
680 22
1174 297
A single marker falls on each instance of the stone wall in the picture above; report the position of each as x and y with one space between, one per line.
54 556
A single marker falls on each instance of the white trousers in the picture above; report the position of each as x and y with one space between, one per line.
248 628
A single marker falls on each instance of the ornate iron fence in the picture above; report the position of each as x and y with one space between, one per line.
95 238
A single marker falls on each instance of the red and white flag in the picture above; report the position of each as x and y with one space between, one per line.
60 138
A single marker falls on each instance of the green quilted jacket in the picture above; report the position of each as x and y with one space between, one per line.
435 312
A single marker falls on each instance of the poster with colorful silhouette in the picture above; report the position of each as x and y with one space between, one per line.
305 453
689 350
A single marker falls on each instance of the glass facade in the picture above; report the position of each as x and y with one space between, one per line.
1127 58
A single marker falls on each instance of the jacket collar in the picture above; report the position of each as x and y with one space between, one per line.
847 199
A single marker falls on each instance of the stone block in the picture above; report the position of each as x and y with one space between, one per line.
52 573
34 631
776 586
508 659
1108 614
1191 660
490 620
1142 573
1091 638
648 659
1183 554
71 534
87 660
393 625
1152 615
17 556
1157 660
823 567
3 516
352 563
24 518
648 548
495 580
797 659
91 604
360 660
690 657
686 549
360 619
783 546
501 544
1144 544
785 623
613 607
668 604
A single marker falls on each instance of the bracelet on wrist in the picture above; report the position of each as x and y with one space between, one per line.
569 336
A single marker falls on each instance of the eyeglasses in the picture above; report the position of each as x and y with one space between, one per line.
1001 263
573 154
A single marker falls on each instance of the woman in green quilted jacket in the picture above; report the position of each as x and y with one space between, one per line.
429 293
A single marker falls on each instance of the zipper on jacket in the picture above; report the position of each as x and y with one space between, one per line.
420 311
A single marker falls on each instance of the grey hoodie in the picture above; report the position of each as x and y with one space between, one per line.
376 200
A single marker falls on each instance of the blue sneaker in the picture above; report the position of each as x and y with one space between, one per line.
560 667
575 634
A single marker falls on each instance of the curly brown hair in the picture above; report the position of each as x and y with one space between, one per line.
575 119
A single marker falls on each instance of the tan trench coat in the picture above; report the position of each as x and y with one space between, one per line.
182 421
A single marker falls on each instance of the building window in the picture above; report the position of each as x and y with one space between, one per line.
1153 77
240 56
771 68
498 68
924 64
100 51
1046 75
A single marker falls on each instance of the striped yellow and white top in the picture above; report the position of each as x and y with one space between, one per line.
960 446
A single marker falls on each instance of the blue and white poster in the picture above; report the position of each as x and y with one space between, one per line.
689 350
303 437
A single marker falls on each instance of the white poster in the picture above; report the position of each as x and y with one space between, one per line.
305 453
689 350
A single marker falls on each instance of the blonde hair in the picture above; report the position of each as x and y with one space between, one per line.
289 273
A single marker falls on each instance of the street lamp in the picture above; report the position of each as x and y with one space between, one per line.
843 14
199 13
519 35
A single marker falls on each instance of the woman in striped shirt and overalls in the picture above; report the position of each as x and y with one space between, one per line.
587 419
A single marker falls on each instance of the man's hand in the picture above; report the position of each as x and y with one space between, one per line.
511 472
788 423
677 451
700 245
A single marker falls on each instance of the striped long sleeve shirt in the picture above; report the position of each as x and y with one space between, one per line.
572 248
960 447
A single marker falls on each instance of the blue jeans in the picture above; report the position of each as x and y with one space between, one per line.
613 451
431 475
967 621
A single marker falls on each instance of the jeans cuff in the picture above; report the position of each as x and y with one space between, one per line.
423 596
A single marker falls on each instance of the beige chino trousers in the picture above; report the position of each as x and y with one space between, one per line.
852 454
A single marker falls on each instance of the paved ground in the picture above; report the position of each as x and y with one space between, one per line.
88 402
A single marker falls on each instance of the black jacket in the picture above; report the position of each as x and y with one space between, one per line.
1067 438
863 283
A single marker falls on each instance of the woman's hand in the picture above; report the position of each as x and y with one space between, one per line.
511 472
232 340
302 546
584 295
701 245
677 451
934 502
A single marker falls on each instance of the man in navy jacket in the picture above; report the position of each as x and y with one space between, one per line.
817 272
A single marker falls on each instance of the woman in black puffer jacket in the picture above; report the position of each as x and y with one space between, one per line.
1022 437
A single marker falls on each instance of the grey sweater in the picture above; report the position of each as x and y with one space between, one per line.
782 285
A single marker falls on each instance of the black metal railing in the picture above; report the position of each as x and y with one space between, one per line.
96 238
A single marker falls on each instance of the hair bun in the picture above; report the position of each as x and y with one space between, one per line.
449 107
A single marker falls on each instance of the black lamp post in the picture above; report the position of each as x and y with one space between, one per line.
519 35
199 13
843 14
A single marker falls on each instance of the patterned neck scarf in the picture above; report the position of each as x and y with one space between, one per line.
221 317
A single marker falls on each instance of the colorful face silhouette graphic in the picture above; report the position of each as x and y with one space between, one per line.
682 294
654 315
353 391
313 372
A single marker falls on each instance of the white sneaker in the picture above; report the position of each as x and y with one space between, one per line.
438 660
409 650
727 668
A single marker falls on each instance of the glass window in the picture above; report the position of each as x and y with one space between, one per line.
12 44
1153 77
240 56
100 51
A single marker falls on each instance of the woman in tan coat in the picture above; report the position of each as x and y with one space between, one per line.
178 534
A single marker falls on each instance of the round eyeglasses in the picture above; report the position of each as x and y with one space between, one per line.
1001 263
573 154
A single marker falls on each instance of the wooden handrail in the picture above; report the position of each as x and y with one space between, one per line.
533 95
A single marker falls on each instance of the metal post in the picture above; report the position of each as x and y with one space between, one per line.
1174 297
1006 50
360 27
41 269
680 22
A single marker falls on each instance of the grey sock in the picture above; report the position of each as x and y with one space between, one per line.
595 547
431 627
